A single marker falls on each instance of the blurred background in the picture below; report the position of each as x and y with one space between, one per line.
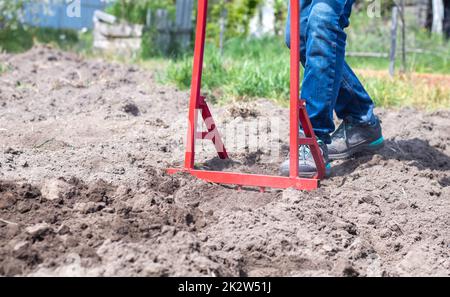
400 49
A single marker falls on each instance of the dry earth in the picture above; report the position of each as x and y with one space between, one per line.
83 147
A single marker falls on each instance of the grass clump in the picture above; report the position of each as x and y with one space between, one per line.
407 90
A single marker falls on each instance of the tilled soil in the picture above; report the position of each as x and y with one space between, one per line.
83 189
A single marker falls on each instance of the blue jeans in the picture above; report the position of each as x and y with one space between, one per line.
329 83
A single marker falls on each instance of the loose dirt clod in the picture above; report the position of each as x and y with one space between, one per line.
38 229
131 108
94 199
54 189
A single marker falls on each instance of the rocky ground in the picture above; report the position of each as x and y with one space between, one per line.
83 190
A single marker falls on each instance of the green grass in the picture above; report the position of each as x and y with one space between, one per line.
400 92
249 69
22 39
254 68
15 41
260 68
4 68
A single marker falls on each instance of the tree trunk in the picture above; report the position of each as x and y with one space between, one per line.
447 18
393 40
438 16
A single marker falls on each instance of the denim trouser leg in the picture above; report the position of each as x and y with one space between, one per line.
329 83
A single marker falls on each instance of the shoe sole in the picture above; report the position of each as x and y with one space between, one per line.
371 147
312 174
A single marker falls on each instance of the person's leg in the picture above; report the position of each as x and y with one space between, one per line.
330 84
360 130
307 166
304 15
323 50
352 100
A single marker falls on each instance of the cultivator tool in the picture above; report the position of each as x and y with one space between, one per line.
298 115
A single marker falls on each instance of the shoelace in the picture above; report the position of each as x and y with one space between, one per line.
341 132
305 152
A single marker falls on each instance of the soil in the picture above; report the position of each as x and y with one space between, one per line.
83 189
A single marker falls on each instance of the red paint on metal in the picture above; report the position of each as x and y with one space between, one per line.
213 132
298 115
251 180
196 82
295 85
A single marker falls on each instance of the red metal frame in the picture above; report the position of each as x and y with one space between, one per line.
298 115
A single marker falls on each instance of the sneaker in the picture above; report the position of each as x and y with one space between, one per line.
306 165
351 138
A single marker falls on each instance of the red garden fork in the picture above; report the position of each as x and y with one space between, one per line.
298 115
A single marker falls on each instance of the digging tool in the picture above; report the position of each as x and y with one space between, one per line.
298 115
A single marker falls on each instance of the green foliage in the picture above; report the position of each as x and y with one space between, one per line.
385 7
373 35
10 14
148 49
64 39
13 36
15 40
215 72
22 39
249 68
135 11
280 8
238 16
16 37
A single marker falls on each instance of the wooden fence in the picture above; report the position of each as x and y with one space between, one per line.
169 32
